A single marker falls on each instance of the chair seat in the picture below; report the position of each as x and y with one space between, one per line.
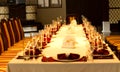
9 54
12 51
4 61
16 48
2 69
1 57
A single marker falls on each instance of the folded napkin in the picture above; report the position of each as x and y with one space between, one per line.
103 56
20 57
23 57
48 59
51 59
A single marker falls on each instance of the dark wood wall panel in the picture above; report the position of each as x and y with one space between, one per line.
95 10
17 11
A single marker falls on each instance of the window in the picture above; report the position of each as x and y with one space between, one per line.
49 3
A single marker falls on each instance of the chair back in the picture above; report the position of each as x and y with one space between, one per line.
11 32
5 34
15 30
18 23
1 43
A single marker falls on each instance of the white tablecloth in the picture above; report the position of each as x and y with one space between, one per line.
108 65
95 65
69 39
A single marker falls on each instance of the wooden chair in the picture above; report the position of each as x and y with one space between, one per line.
15 30
7 38
18 23
5 34
11 32
10 45
1 44
18 34
3 60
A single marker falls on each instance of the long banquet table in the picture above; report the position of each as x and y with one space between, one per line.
36 65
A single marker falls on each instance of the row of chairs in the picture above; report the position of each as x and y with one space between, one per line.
11 32
12 40
114 43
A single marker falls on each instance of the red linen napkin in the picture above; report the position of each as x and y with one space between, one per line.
51 59
48 59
